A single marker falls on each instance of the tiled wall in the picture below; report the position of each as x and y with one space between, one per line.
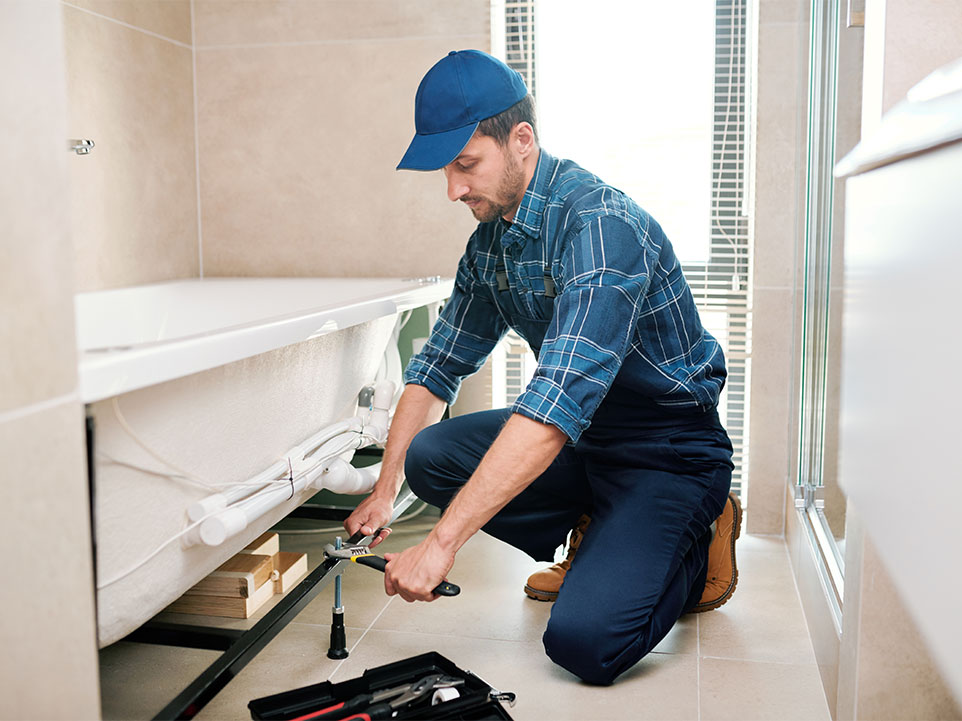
781 59
130 88
300 109
305 108
47 629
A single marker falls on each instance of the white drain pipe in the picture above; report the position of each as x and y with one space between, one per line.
321 467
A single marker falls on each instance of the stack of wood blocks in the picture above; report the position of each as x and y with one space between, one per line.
243 584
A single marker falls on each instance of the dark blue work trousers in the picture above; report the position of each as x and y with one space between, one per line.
653 483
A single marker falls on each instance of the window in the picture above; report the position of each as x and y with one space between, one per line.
663 88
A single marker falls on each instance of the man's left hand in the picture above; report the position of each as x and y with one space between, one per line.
414 573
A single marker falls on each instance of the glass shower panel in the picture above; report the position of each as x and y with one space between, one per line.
834 106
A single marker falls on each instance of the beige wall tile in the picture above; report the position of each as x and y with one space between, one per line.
776 179
233 22
897 677
744 691
170 18
36 313
771 421
48 629
298 147
779 11
920 36
134 198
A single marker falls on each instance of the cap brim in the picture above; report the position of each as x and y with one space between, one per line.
434 151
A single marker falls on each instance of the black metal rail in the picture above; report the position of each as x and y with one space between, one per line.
240 647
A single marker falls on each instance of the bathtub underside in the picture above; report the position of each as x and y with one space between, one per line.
223 425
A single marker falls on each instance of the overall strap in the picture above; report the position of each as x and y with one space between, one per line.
549 287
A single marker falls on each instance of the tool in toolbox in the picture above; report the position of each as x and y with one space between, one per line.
376 705
364 556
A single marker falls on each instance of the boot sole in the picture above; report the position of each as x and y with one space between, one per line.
723 599
540 595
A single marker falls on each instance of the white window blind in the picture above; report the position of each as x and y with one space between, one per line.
720 282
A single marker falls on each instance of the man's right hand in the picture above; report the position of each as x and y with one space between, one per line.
372 513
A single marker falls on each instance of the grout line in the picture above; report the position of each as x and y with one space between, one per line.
698 663
49 404
766 662
335 41
193 63
178 43
356 643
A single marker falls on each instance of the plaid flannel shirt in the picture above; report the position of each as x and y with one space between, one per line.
590 281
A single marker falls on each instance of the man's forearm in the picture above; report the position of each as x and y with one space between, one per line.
520 453
417 409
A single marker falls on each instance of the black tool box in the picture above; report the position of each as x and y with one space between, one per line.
476 699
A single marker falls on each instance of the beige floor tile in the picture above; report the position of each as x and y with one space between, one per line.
137 680
763 621
759 543
297 657
494 631
492 603
662 686
746 690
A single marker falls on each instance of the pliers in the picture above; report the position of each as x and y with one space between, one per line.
375 705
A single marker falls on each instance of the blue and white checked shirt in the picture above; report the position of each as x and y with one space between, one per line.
623 315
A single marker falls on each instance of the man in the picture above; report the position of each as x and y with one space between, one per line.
616 435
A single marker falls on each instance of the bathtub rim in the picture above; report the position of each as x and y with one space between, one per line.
107 372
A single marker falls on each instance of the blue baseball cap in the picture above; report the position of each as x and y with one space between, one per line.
462 89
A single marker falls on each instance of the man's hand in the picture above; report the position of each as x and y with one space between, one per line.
415 573
372 513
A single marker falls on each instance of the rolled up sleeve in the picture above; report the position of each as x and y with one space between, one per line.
465 333
606 270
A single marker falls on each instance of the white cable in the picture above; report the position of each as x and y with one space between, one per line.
103 584
174 477
115 403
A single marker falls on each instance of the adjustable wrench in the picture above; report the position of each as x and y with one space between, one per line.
364 556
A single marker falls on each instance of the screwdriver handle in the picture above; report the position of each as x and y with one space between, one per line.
443 589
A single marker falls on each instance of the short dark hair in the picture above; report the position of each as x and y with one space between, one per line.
500 126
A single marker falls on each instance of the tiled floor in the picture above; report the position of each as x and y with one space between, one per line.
750 659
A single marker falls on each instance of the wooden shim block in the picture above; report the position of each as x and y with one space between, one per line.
238 577
266 544
290 568
230 607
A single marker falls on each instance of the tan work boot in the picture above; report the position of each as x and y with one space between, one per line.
722 571
543 585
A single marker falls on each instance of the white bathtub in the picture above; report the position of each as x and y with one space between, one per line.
131 338
220 377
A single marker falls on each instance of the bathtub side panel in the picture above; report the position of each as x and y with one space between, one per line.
224 424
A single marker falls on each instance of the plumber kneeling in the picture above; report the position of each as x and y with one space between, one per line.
616 439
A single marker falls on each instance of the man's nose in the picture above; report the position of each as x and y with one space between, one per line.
457 189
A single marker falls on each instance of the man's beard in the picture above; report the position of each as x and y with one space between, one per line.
507 196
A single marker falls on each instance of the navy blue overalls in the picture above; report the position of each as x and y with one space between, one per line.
653 479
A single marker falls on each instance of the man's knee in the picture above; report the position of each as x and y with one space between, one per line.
587 646
423 468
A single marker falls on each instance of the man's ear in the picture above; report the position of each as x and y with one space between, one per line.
522 137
